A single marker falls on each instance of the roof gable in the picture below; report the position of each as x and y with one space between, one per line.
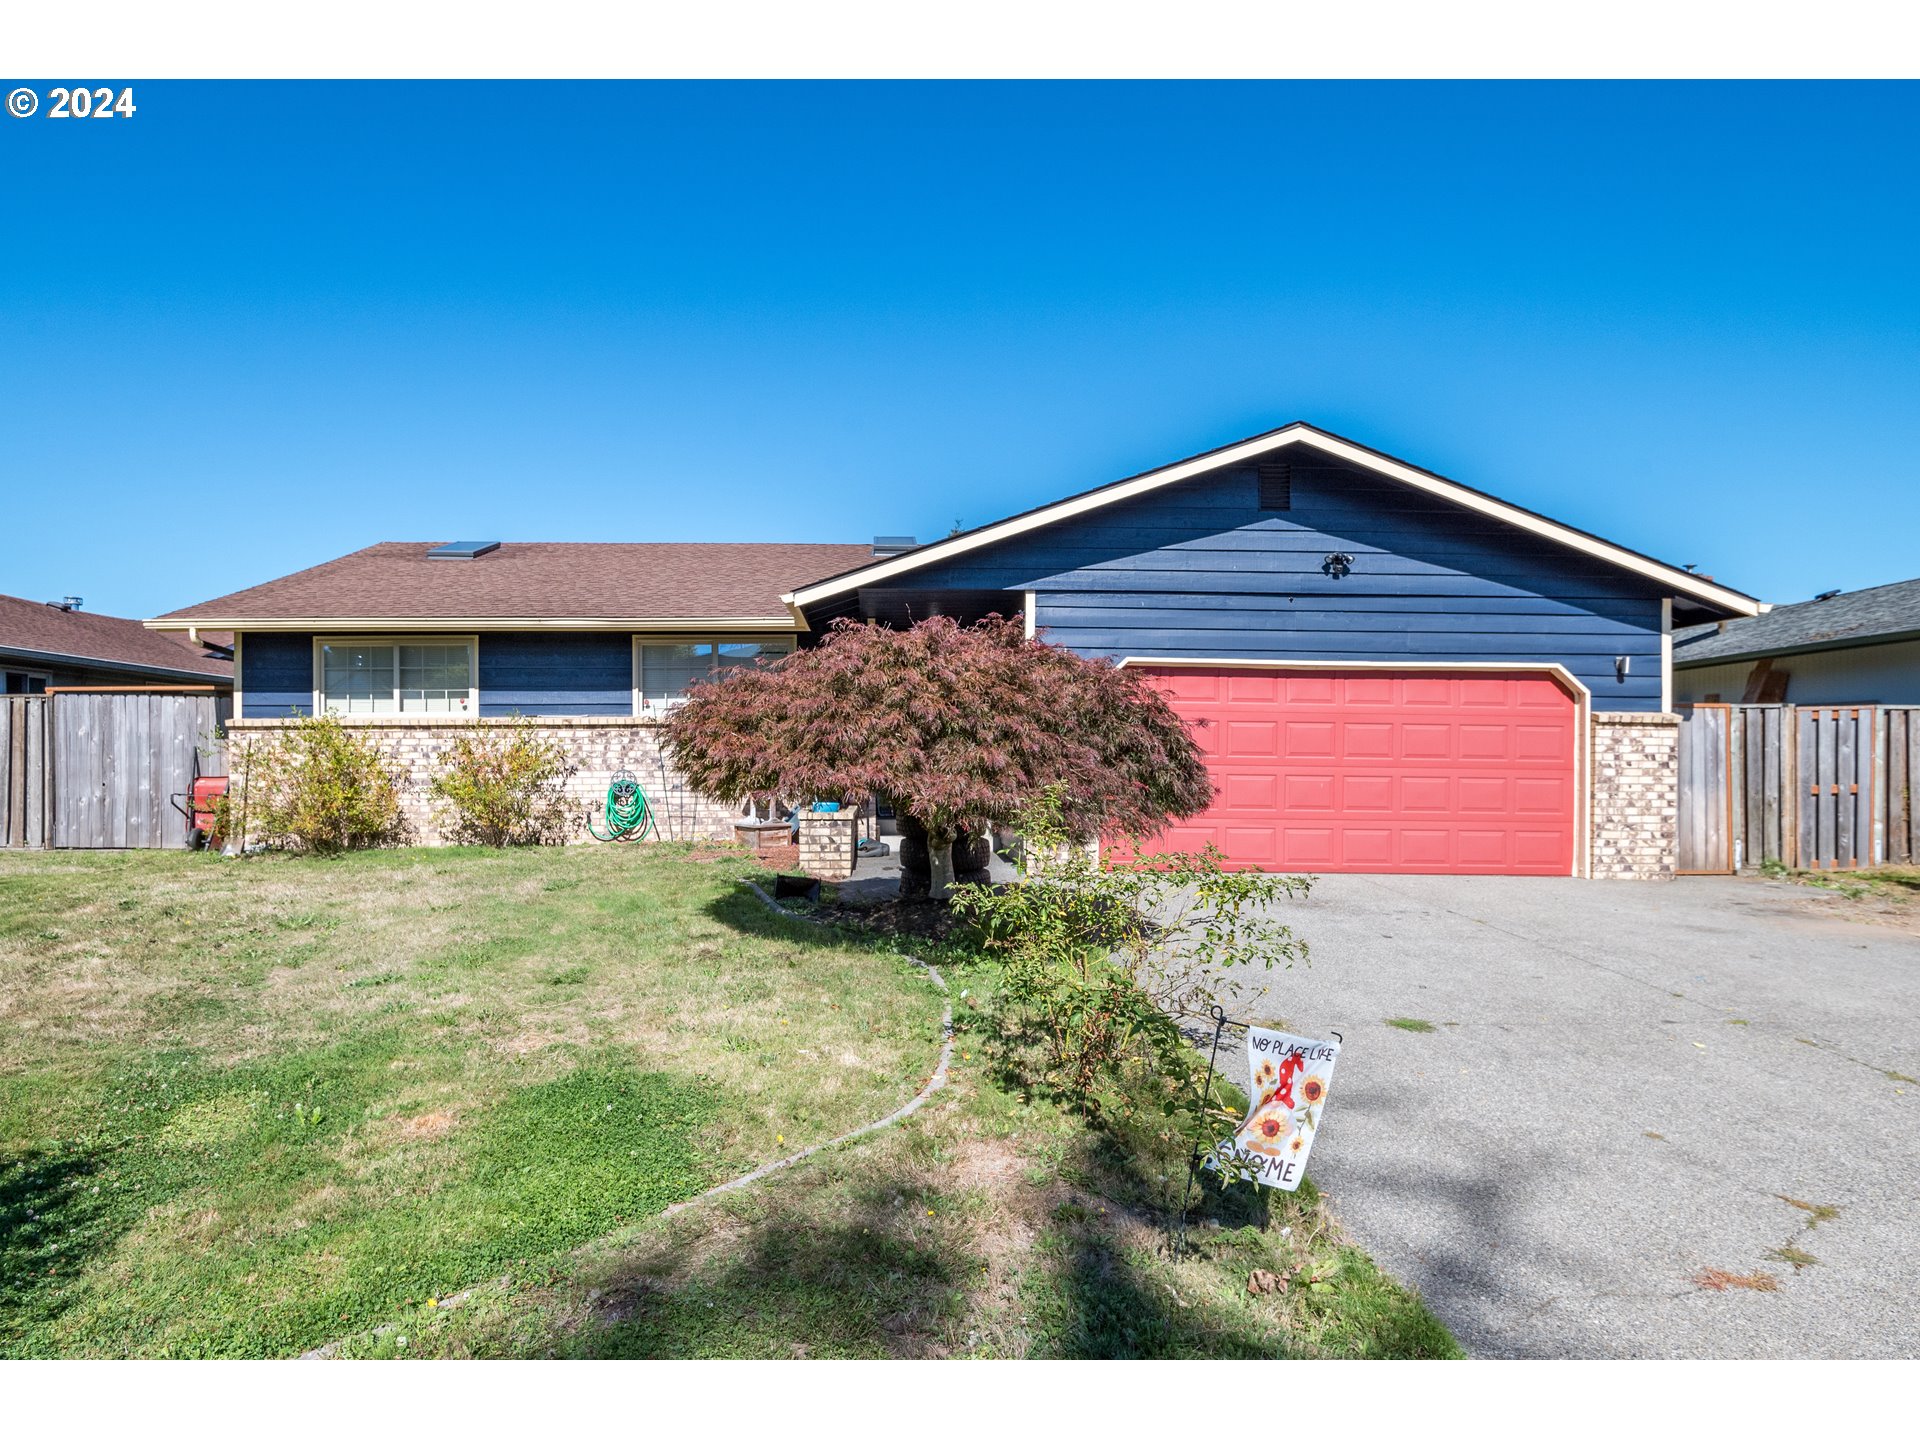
1680 582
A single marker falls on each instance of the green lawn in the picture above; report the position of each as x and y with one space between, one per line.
247 1108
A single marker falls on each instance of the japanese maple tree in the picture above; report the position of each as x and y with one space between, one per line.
950 724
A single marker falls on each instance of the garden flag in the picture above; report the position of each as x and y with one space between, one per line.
1290 1076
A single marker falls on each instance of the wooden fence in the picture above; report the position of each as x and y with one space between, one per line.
25 764
1816 787
101 770
1902 732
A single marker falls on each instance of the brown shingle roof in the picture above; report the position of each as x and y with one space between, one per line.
103 640
538 580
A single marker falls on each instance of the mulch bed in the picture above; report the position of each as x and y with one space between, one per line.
778 857
909 919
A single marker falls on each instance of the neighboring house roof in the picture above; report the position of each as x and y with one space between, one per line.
531 585
1856 617
34 633
1697 588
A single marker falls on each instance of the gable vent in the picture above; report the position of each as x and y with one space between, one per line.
1276 485
462 549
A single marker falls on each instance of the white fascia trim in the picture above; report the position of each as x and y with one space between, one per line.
376 624
1666 657
1682 581
1581 696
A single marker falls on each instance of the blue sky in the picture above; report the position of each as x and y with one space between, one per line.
257 326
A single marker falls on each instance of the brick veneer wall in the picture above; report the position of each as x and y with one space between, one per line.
1636 795
599 747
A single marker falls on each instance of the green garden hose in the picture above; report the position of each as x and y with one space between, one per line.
629 817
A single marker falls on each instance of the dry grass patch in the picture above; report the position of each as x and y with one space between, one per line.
983 1227
1710 1278
425 1127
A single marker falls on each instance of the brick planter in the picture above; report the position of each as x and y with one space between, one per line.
827 844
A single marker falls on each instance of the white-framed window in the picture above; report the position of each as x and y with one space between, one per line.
665 665
388 675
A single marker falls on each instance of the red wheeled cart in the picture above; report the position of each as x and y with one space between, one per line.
202 828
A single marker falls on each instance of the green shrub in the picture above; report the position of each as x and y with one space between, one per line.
504 786
1103 958
317 786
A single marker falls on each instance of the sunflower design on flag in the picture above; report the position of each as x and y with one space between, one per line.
1267 1130
1290 1075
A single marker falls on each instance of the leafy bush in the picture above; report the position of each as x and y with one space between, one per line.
317 786
504 786
1102 959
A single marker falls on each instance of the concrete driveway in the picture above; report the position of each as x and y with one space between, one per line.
1622 1082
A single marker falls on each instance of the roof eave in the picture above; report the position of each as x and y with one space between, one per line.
101 662
469 624
1683 661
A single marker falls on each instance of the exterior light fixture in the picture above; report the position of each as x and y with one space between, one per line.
1337 565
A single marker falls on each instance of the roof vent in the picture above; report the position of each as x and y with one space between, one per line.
1828 594
1276 484
893 545
66 603
462 549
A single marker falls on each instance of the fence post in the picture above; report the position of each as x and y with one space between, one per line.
1877 796
1790 786
1736 788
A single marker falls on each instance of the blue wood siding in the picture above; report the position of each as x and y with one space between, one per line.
523 673
1198 569
545 674
275 676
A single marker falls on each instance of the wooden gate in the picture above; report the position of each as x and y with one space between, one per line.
120 757
1706 790
1817 787
25 762
1836 752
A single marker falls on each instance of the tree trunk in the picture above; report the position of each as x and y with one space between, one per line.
940 867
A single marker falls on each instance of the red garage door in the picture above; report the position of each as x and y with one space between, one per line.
1381 772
